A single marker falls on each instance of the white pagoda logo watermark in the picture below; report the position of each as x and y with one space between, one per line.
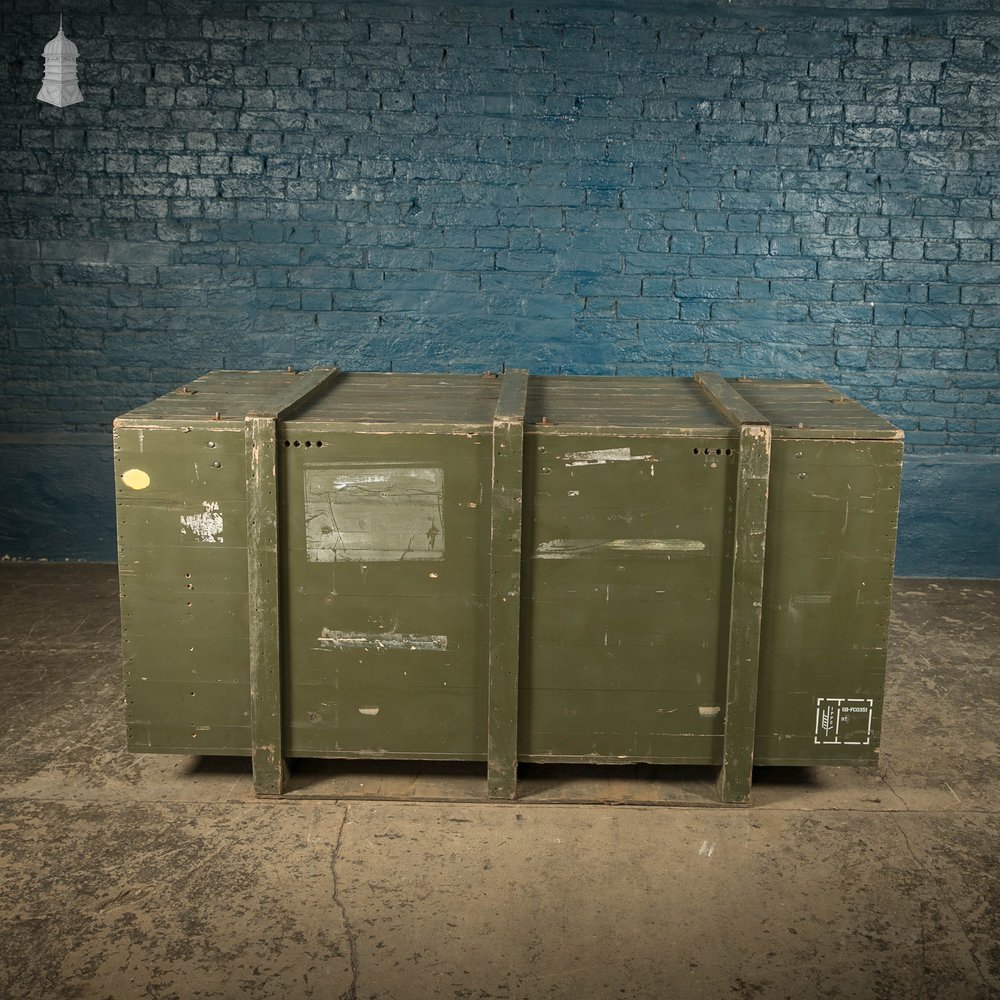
59 85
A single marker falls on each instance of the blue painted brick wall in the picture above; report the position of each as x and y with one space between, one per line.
760 188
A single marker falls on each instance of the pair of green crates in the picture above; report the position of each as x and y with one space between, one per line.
506 569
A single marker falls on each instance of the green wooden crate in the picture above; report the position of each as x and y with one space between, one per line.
508 569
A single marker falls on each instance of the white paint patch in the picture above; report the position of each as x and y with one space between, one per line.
811 598
604 455
373 710
206 526
379 642
707 848
391 514
575 548
709 711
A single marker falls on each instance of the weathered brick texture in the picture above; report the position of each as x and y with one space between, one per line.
763 188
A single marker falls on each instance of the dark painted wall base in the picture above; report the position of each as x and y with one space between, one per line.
948 519
57 495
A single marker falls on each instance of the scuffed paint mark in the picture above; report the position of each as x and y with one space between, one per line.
572 548
378 642
797 601
604 455
709 711
206 526
707 849
572 493
820 598
372 710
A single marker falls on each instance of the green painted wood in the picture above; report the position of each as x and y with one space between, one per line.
230 394
182 571
746 602
746 594
652 406
626 544
506 510
265 625
406 400
728 401
814 411
307 387
269 771
831 536
636 568
373 628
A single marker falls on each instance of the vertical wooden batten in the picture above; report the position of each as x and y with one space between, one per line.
261 436
747 584
505 584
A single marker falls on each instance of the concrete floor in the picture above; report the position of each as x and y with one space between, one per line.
145 876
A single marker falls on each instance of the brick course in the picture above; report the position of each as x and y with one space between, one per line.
763 188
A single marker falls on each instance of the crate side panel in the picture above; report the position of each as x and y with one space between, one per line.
827 589
385 542
627 556
183 576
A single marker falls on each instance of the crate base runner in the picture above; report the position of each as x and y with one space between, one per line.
506 570
537 783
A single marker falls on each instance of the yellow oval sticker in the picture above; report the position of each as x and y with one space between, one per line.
135 479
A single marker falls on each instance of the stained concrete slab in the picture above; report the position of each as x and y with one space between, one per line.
157 876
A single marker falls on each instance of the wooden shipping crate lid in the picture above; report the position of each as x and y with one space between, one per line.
231 394
406 400
813 410
650 405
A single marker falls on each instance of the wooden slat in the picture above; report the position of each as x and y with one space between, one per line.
746 608
408 399
269 773
747 584
815 411
229 393
265 641
727 400
505 585
310 385
673 404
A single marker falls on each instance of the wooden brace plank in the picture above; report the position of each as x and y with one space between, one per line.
264 597
747 584
505 585
727 400
306 387
746 608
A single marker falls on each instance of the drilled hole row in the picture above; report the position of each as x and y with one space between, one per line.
712 451
303 444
